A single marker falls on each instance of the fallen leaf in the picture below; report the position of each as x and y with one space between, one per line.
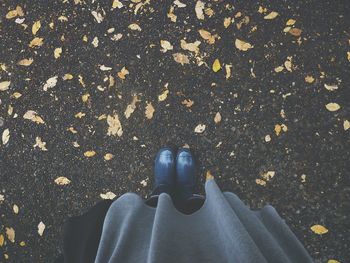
108 195
114 126
117 4
278 129
62 180
149 110
348 53
108 156
193 47
209 12
50 83
332 106
188 103
319 229
22 243
260 182
25 62
36 26
122 73
89 153
79 115
131 107
199 10
11 234
134 27
40 144
288 64
171 15
33 116
98 16
36 42
2 240
200 128
5 136
41 228
267 176
62 18
309 79
295 32
206 35
14 13
227 22
95 42
346 125
279 69
57 52
208 176
267 138
16 95
216 65
217 117
166 45
67 76
85 97
331 87
4 85
290 22
242 45
271 15
179 4
228 70
332 261
181 58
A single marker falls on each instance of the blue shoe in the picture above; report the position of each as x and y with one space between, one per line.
185 173
164 171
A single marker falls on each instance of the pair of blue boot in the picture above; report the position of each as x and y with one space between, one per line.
174 175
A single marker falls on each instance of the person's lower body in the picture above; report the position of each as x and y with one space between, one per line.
176 177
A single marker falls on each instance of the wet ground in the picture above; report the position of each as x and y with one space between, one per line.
258 90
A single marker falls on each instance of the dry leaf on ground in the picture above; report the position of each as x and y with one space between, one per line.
108 195
216 65
242 45
199 10
25 62
4 85
131 107
181 58
62 180
108 156
50 83
200 128
41 228
332 106
319 229
271 15
40 144
33 116
217 117
11 234
36 26
206 35
149 110
166 45
5 136
114 126
90 153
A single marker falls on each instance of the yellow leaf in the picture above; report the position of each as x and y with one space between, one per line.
279 69
67 76
131 107
228 70
348 53
319 229
39 143
79 115
36 42
309 79
108 156
227 22
166 45
332 106
164 95
62 180
85 97
108 195
332 261
208 176
346 125
188 103
271 15
121 74
2 240
36 26
242 45
193 47
41 228
117 4
89 153
260 182
4 85
295 32
22 243
25 62
216 65
290 22
57 52
149 111
278 129
134 27
11 14
15 209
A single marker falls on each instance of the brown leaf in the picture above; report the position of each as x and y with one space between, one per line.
33 116
217 117
36 42
206 35
295 32
131 107
188 103
114 126
122 73
11 234
90 153
242 45
62 180
319 229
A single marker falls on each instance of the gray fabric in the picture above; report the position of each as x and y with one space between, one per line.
222 230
